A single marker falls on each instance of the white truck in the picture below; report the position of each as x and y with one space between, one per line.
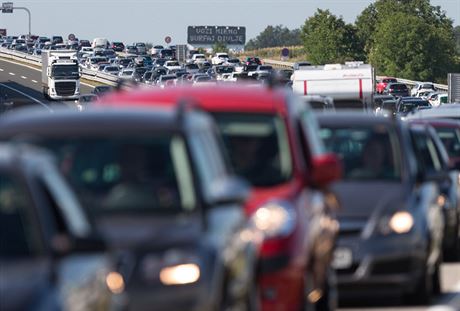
350 85
60 75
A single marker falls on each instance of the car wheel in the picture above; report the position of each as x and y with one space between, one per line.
427 285
452 254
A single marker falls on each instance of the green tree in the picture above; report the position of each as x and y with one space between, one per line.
220 47
416 42
457 38
275 36
327 39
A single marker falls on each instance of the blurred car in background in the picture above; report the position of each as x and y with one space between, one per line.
396 90
102 90
391 220
422 86
157 186
444 137
50 256
409 105
272 141
383 83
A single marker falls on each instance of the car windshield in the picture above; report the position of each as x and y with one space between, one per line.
70 71
450 138
224 69
258 147
412 105
127 173
427 86
367 152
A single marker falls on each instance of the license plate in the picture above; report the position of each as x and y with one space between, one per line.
342 259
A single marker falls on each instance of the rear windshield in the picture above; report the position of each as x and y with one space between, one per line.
367 152
389 80
428 86
399 87
258 147
127 173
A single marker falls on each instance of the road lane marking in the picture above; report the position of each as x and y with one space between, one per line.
12 74
23 77
36 69
34 81
28 96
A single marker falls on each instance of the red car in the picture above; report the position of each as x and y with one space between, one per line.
383 84
272 140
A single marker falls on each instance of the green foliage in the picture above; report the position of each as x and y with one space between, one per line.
220 47
327 39
408 38
273 36
457 38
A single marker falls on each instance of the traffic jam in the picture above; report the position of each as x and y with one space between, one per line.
207 181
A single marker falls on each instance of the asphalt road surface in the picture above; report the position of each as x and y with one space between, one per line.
21 86
449 300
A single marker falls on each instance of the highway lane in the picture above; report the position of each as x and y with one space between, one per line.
22 86
449 300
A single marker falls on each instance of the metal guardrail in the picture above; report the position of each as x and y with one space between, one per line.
288 65
87 74
108 79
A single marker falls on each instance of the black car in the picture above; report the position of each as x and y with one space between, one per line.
407 105
396 90
391 221
158 187
50 256
118 46
167 53
56 40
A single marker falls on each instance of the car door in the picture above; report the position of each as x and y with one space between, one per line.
430 165
25 269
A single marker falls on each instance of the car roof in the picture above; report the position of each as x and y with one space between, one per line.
235 98
30 122
352 118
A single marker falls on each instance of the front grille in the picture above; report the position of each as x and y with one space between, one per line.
65 88
351 226
348 271
395 266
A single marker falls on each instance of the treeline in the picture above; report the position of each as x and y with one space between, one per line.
405 38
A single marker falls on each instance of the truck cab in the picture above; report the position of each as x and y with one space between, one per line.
60 75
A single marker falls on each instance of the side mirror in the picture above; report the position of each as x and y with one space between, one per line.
325 170
232 190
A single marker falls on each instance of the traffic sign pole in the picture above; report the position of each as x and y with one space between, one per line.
7 7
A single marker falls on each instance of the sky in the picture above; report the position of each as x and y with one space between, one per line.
152 20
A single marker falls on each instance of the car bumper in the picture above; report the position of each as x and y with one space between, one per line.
381 266
186 297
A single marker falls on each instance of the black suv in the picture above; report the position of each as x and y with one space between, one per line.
158 187
396 90
50 256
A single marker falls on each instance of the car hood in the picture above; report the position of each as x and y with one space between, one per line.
138 231
361 199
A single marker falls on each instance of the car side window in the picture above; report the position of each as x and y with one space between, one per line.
67 213
209 164
19 236
427 153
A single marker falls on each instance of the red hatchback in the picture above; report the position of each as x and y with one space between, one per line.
383 84
272 140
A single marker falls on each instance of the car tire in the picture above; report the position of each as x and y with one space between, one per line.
427 285
452 254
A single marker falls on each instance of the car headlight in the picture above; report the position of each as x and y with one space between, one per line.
275 219
180 274
400 223
174 267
